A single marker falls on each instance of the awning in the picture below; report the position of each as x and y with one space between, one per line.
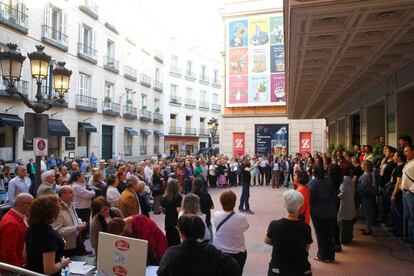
159 134
58 128
145 132
131 131
88 127
10 120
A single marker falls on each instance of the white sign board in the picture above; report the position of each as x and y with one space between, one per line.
121 256
40 146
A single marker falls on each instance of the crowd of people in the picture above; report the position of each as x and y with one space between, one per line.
78 199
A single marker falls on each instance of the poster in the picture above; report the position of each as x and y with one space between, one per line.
272 139
255 54
277 89
238 33
305 142
118 255
259 89
238 144
238 61
239 90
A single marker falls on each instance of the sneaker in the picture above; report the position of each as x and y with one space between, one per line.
250 212
241 210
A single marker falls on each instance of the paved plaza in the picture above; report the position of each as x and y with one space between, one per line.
376 255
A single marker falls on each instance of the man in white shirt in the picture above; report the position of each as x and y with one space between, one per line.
19 184
148 171
407 185
275 173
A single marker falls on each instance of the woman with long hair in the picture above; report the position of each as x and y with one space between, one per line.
367 192
191 206
157 188
171 205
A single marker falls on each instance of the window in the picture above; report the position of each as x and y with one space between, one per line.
203 72
174 61
202 120
87 39
174 90
188 118
110 49
55 23
189 67
84 84
109 89
156 104
127 143
215 76
173 116
203 95
215 98
188 123
144 103
157 74
6 143
189 93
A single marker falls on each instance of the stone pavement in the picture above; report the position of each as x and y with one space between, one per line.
380 254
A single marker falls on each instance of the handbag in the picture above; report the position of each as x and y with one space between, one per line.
224 220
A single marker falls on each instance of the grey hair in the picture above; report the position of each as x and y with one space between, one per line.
130 181
20 198
63 189
191 204
292 201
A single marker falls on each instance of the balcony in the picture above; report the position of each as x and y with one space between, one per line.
49 94
86 103
175 100
143 149
190 131
204 105
157 86
158 56
190 76
158 118
204 79
111 109
130 112
175 71
130 73
204 132
111 64
216 83
21 86
175 130
87 53
190 102
216 107
55 38
156 149
145 80
127 150
14 18
145 115
90 8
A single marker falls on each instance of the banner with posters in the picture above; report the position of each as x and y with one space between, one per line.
272 139
238 144
255 61
305 142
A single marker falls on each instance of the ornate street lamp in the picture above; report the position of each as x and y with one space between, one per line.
61 78
11 63
39 64
212 126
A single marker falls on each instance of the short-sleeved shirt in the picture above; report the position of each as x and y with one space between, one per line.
42 239
245 175
289 241
170 206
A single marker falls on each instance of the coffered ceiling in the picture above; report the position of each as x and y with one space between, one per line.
337 49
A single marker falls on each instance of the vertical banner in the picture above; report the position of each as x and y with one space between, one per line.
238 144
305 142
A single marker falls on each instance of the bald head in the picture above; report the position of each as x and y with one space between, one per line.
22 202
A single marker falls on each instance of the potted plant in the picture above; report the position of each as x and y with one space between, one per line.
157 110
144 107
129 102
107 99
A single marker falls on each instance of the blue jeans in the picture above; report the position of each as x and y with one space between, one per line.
383 206
244 198
368 209
408 205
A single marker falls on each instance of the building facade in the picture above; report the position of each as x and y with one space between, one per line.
254 118
193 88
116 94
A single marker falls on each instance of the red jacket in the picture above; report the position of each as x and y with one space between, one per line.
145 229
12 239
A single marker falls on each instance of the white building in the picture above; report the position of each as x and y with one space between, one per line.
193 85
116 89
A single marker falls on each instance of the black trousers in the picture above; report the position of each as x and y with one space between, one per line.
84 215
346 231
240 258
212 181
324 230
172 235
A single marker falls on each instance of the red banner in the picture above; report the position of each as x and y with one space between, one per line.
305 142
238 144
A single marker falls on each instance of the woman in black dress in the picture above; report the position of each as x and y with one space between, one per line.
44 246
171 203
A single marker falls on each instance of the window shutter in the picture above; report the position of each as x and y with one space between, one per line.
80 37
64 23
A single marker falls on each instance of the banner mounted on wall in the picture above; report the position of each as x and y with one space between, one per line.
238 144
305 142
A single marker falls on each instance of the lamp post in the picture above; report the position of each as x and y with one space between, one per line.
11 62
212 126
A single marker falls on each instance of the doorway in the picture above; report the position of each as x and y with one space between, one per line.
355 129
174 149
405 115
375 122
107 142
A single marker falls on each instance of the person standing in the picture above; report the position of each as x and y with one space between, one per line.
171 205
188 176
347 211
31 169
275 172
397 194
13 231
128 202
157 188
367 192
245 170
286 171
407 186
19 184
212 178
301 178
